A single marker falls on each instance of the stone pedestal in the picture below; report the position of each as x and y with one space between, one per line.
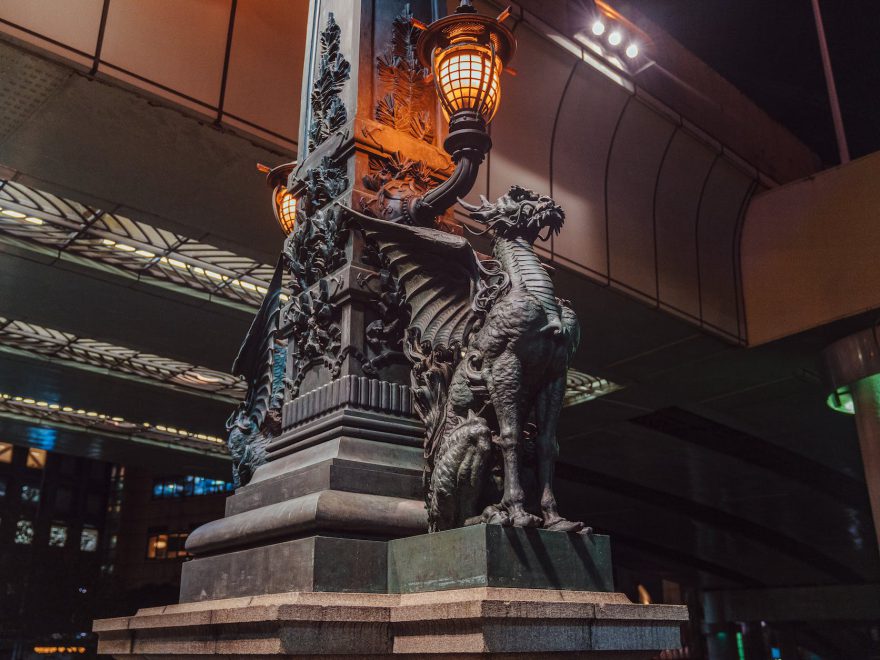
479 622
482 591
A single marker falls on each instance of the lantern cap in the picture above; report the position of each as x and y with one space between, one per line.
277 176
465 22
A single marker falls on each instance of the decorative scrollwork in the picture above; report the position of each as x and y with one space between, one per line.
328 110
384 336
322 184
407 103
395 181
261 362
494 283
316 247
312 325
311 322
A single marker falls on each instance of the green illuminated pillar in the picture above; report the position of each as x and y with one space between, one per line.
852 368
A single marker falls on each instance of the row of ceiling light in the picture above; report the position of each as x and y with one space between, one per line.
615 37
96 239
18 215
146 254
90 417
177 263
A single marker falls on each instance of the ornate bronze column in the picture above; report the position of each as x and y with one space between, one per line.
327 448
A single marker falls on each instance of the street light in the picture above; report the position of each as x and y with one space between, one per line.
284 203
466 53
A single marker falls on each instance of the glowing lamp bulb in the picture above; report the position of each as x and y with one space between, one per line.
466 52
615 38
598 28
285 209
468 78
632 51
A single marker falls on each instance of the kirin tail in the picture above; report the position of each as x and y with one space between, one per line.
455 483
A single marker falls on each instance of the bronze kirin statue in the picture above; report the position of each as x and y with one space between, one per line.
490 345
488 340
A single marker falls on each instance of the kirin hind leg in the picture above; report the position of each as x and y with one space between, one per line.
504 382
547 411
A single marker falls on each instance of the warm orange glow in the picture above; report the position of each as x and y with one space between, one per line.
285 209
36 458
52 650
468 79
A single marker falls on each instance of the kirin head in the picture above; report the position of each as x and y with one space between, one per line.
521 213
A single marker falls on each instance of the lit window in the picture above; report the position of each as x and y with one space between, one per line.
167 546
36 458
24 532
188 486
2 486
30 494
5 452
88 540
58 535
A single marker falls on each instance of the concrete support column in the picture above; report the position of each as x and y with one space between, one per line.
852 368
866 401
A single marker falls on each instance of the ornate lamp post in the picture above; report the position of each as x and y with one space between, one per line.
394 385
466 53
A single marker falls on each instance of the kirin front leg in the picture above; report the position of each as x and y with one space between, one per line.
511 408
547 411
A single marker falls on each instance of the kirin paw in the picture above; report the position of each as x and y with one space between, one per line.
523 519
563 525
495 515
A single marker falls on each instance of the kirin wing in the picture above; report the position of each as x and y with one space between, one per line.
255 360
439 274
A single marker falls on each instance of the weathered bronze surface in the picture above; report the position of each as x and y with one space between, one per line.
490 344
488 341
261 362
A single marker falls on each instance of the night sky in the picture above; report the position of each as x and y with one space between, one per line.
769 50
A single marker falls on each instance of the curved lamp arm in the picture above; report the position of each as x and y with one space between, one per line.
467 143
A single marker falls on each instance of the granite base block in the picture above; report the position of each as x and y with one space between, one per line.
316 563
495 556
477 556
482 622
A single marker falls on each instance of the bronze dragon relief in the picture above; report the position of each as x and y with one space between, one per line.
490 345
